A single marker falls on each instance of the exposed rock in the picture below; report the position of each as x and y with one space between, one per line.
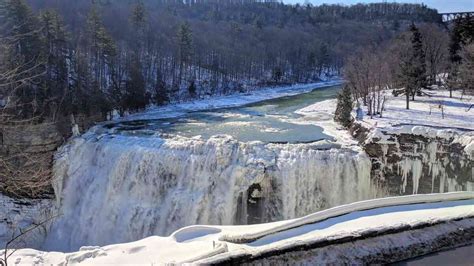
410 163
16 215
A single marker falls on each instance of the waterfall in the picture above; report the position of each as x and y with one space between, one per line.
113 188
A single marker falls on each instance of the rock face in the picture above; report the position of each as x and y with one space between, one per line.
16 215
26 152
418 160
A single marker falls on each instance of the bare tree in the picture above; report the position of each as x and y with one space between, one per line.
17 238
369 76
435 44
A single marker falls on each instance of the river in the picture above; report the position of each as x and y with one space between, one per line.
268 121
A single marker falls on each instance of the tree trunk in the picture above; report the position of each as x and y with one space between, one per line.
407 94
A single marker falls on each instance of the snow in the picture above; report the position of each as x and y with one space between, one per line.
206 244
16 215
233 100
131 187
456 114
322 114
457 124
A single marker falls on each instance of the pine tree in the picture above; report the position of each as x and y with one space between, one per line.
185 44
192 88
101 50
24 56
466 69
161 92
461 35
419 61
136 95
56 81
413 67
138 21
344 107
323 57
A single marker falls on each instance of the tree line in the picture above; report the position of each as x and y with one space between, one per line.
83 57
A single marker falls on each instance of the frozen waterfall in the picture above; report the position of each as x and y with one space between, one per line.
113 188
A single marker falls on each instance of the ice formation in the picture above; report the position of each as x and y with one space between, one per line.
114 189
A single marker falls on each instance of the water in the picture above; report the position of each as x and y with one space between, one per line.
270 121
140 186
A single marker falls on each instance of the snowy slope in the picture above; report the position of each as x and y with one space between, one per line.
204 244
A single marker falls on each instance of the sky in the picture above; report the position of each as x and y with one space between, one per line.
441 5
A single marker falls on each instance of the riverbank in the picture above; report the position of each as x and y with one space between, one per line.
228 101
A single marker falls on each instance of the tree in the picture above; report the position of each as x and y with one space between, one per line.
11 245
462 34
138 21
136 95
466 69
185 45
344 107
23 61
412 74
192 88
55 82
435 45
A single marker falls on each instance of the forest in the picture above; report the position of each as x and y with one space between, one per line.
63 58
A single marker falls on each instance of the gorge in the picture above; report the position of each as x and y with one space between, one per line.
132 179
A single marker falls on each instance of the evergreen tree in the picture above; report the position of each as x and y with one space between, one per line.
55 83
192 89
101 50
413 67
161 92
344 107
462 34
185 45
455 42
323 57
138 21
23 59
466 69
136 95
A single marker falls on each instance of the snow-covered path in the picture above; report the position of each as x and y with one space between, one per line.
204 244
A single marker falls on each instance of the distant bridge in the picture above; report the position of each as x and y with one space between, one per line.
449 17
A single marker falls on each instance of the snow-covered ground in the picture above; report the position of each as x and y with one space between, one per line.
208 244
458 120
456 113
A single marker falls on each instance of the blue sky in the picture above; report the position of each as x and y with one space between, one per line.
441 5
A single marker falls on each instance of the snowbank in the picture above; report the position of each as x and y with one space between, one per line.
203 244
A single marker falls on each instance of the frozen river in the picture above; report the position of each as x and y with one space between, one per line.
271 121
